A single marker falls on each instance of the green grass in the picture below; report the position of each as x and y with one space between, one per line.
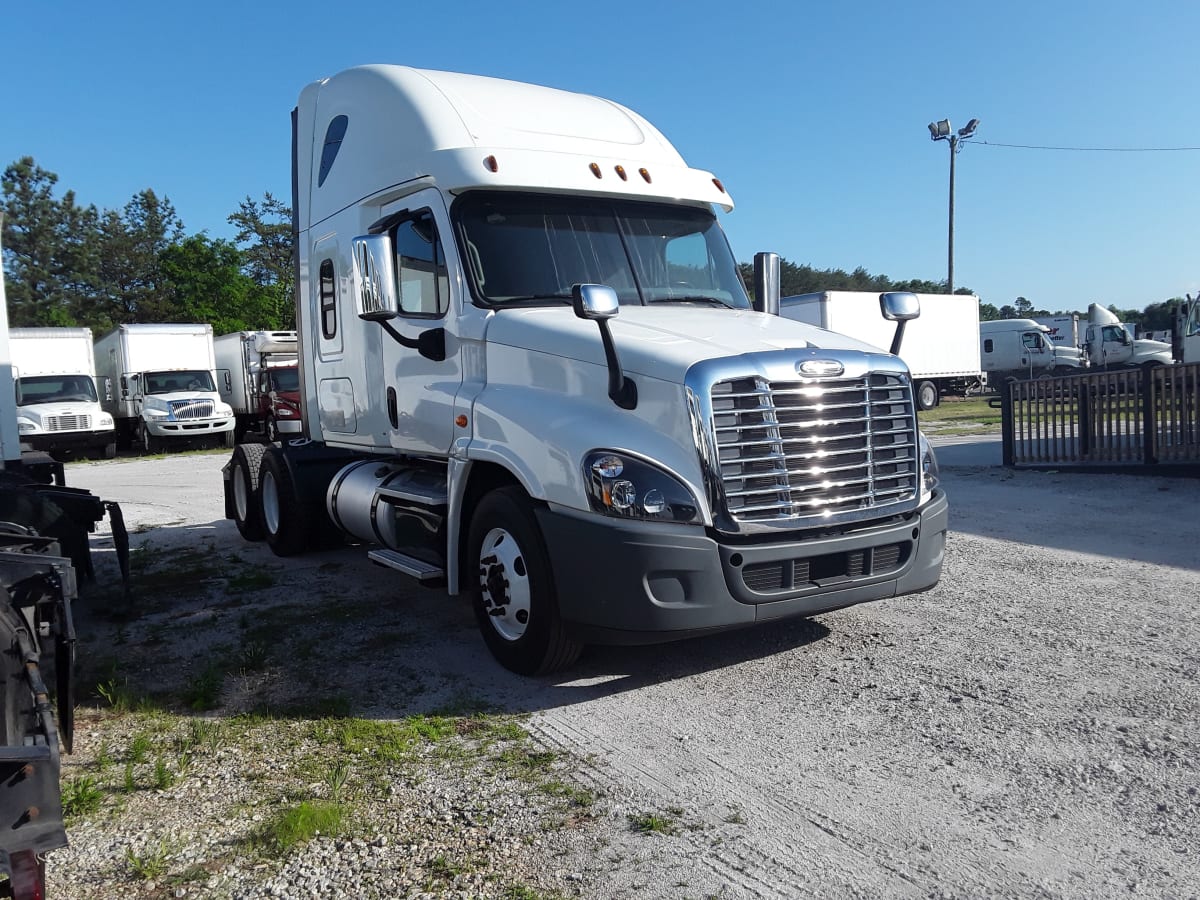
954 416
303 822
81 795
653 823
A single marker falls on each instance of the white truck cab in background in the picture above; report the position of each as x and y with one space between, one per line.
164 386
530 371
58 405
1108 343
1023 348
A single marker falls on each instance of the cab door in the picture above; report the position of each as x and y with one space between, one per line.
1035 352
420 391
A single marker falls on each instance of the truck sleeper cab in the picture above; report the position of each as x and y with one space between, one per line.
546 387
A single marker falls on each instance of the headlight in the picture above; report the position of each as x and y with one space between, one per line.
286 412
621 485
155 407
929 469
224 409
25 427
106 421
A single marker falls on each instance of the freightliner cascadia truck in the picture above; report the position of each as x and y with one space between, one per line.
530 372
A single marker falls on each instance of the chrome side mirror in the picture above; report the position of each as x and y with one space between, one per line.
899 306
595 301
375 278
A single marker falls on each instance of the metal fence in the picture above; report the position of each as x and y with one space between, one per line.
1134 417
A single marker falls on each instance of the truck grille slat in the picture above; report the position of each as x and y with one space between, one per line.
771 437
191 409
68 423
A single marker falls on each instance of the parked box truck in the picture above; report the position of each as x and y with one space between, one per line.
941 348
530 371
257 376
164 386
58 405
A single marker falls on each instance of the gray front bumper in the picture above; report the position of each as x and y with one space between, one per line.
629 582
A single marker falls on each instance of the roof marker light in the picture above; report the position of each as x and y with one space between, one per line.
596 170
645 173
720 187
620 170
491 164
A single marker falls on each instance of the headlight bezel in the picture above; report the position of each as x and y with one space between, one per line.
928 470
634 487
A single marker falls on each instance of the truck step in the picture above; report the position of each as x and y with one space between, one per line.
424 572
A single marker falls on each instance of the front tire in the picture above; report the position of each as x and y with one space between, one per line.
150 444
110 450
283 518
516 606
244 473
927 395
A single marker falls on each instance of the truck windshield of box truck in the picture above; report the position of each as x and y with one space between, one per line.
55 389
530 249
166 382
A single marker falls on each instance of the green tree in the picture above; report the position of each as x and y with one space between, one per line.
264 236
45 241
202 281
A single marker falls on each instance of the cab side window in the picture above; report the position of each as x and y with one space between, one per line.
328 292
423 284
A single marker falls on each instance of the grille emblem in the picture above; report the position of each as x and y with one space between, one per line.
820 368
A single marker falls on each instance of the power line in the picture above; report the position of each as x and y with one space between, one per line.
1089 149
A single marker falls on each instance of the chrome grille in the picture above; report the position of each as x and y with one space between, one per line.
68 423
815 448
191 409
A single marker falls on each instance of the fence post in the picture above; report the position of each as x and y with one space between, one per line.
1006 423
1149 421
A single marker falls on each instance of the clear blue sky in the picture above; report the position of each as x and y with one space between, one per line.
813 114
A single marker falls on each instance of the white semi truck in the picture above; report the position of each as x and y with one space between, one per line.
1109 344
530 371
1024 348
164 386
941 349
257 376
58 407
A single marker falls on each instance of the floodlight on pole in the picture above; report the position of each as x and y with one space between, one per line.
944 131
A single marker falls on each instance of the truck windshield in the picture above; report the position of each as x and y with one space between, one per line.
528 249
285 379
166 382
55 389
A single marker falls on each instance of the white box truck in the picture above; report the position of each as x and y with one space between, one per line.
941 348
58 406
257 375
164 386
530 371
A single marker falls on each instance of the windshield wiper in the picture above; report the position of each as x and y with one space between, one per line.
695 298
529 298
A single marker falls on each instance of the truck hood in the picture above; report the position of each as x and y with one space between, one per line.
1147 349
1070 356
660 341
37 413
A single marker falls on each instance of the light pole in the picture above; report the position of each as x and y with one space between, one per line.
943 131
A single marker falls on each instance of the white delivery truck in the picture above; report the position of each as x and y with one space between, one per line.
164 386
1109 344
257 376
941 349
58 407
530 371
1062 331
1023 348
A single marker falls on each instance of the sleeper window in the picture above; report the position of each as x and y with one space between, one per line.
328 290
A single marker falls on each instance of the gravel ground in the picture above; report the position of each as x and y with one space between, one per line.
1027 728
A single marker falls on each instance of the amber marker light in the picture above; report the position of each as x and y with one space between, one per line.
620 170
720 187
596 170
461 421
492 165
645 173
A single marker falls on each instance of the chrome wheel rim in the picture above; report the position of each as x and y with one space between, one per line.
504 584
270 503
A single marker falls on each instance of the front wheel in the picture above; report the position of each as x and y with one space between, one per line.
927 395
513 591
151 444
